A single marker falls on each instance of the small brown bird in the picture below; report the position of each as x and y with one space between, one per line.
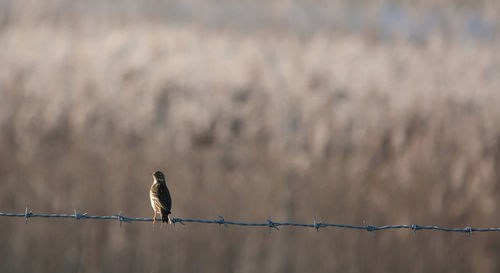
160 197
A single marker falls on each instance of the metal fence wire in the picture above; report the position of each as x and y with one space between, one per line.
269 223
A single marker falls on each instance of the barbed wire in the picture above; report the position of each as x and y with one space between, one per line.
269 223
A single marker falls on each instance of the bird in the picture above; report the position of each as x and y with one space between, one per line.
159 196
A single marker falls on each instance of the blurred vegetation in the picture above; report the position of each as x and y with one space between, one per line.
384 111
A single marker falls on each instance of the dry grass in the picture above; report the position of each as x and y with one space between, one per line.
246 125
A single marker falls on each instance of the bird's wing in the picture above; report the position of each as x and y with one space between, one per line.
164 197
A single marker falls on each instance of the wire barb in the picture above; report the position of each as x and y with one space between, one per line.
369 228
415 227
177 220
271 224
27 213
79 216
221 221
318 225
121 218
469 230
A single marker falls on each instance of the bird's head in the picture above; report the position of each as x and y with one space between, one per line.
159 177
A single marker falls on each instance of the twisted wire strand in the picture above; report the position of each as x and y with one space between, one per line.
221 221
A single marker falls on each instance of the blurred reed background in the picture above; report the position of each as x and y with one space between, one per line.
384 111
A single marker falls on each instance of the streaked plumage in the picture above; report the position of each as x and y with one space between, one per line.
160 197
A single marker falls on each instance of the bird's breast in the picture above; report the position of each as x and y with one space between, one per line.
151 199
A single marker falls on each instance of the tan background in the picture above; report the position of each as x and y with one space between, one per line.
383 111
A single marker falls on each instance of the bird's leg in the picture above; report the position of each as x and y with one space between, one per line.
154 217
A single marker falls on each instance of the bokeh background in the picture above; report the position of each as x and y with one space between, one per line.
380 111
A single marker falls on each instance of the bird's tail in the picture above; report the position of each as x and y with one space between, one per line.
165 218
